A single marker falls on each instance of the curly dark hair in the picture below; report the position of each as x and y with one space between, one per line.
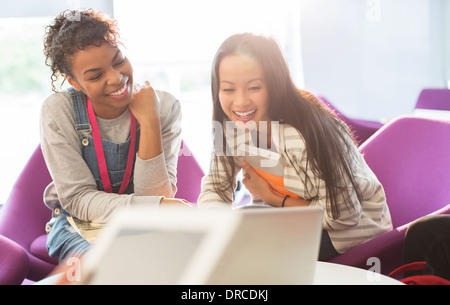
74 30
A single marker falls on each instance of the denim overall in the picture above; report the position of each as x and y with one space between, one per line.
62 240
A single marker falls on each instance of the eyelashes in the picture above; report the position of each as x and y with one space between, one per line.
99 75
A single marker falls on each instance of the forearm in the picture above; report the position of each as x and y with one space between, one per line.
78 194
208 195
150 141
98 206
151 177
156 164
276 199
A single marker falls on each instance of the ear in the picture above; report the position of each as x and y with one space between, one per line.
74 83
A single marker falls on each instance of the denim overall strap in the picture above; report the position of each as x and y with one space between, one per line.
78 99
115 153
63 241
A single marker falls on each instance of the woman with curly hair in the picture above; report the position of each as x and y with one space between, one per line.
257 106
108 144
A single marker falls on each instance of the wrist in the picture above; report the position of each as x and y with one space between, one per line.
283 203
275 199
150 123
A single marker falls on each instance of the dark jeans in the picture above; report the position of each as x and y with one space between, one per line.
327 250
428 239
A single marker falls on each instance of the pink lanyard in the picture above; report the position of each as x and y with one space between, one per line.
101 155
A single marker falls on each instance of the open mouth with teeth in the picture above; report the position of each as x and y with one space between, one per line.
244 116
121 92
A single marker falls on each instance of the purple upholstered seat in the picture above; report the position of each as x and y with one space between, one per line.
189 175
23 253
362 129
24 215
410 156
435 99
14 262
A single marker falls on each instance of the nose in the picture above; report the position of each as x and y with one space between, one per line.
114 77
241 98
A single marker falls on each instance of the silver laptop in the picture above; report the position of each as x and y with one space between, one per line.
195 247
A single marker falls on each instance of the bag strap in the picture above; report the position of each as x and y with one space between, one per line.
418 279
416 266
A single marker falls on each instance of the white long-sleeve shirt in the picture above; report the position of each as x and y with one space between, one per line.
73 183
359 221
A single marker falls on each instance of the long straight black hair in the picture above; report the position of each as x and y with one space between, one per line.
326 136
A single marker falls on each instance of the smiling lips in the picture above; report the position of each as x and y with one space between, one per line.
244 116
121 92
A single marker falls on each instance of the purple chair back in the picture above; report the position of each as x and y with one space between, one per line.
14 262
410 156
24 215
362 129
436 99
189 175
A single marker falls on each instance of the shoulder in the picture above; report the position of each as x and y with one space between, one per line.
292 137
170 106
57 112
57 103
166 99
294 146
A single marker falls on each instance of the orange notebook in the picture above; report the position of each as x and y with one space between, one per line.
268 165
276 182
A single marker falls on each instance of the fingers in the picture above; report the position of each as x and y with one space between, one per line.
248 170
246 166
176 201
138 87
247 173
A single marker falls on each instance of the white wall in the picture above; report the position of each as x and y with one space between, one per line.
446 38
371 58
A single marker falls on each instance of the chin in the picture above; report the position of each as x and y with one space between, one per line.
244 125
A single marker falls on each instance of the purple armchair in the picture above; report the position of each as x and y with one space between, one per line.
24 215
23 253
410 157
362 129
189 175
435 99
14 262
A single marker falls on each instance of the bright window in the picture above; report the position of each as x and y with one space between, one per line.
172 44
24 84
369 58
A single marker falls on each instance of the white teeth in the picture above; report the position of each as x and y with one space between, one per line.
121 91
244 114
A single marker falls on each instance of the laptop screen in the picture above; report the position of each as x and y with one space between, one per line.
190 246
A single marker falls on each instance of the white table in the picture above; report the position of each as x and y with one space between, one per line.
336 274
325 274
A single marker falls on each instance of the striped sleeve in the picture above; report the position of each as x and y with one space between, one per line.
359 220
208 197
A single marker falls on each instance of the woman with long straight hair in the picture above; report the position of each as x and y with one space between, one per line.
257 105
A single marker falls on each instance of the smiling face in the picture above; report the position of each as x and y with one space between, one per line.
243 91
105 75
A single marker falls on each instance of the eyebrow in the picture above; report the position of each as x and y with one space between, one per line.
98 69
250 81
